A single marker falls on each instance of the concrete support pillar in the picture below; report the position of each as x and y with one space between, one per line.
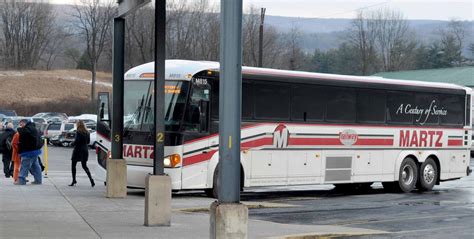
157 200
116 178
229 221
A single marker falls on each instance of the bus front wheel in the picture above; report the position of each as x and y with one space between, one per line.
213 192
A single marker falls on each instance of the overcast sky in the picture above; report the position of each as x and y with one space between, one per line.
412 9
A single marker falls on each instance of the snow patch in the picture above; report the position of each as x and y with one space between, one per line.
12 73
88 81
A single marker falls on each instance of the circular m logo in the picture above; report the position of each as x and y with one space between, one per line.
281 136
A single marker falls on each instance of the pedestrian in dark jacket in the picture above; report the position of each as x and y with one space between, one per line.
80 152
29 148
6 139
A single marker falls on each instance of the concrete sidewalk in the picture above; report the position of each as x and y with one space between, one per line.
54 210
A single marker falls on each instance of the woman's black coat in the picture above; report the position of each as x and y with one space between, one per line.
81 150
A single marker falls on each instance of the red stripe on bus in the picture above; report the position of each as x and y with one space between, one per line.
454 142
201 157
215 135
374 142
314 141
256 143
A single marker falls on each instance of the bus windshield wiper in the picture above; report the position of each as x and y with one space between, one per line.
137 114
147 109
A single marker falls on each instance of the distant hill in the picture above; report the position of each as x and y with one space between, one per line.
325 33
32 91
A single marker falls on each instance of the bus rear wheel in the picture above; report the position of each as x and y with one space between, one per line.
428 175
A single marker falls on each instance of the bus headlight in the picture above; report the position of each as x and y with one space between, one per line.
171 161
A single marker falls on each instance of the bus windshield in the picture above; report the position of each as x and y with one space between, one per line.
139 105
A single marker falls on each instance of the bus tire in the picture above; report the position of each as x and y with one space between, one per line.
213 192
428 175
408 176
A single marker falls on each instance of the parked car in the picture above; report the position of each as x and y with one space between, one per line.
48 115
84 117
11 113
39 120
41 124
71 135
93 142
56 129
59 140
54 120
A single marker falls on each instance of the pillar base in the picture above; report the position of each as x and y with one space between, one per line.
116 178
157 200
229 220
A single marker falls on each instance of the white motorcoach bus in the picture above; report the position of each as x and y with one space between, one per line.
298 128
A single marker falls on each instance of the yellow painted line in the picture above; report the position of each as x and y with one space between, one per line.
230 142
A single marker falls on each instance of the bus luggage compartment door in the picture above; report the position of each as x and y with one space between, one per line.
338 168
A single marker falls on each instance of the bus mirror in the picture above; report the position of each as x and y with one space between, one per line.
103 109
101 114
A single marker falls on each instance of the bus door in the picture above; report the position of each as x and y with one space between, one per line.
194 127
103 128
103 118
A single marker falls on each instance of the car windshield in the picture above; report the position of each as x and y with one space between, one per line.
138 104
68 127
38 120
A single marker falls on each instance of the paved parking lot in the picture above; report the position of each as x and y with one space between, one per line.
446 212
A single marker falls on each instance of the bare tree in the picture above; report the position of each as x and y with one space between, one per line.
26 28
362 37
140 32
452 41
293 56
55 46
93 20
458 30
383 36
391 34
250 31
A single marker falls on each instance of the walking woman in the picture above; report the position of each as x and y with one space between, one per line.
81 152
